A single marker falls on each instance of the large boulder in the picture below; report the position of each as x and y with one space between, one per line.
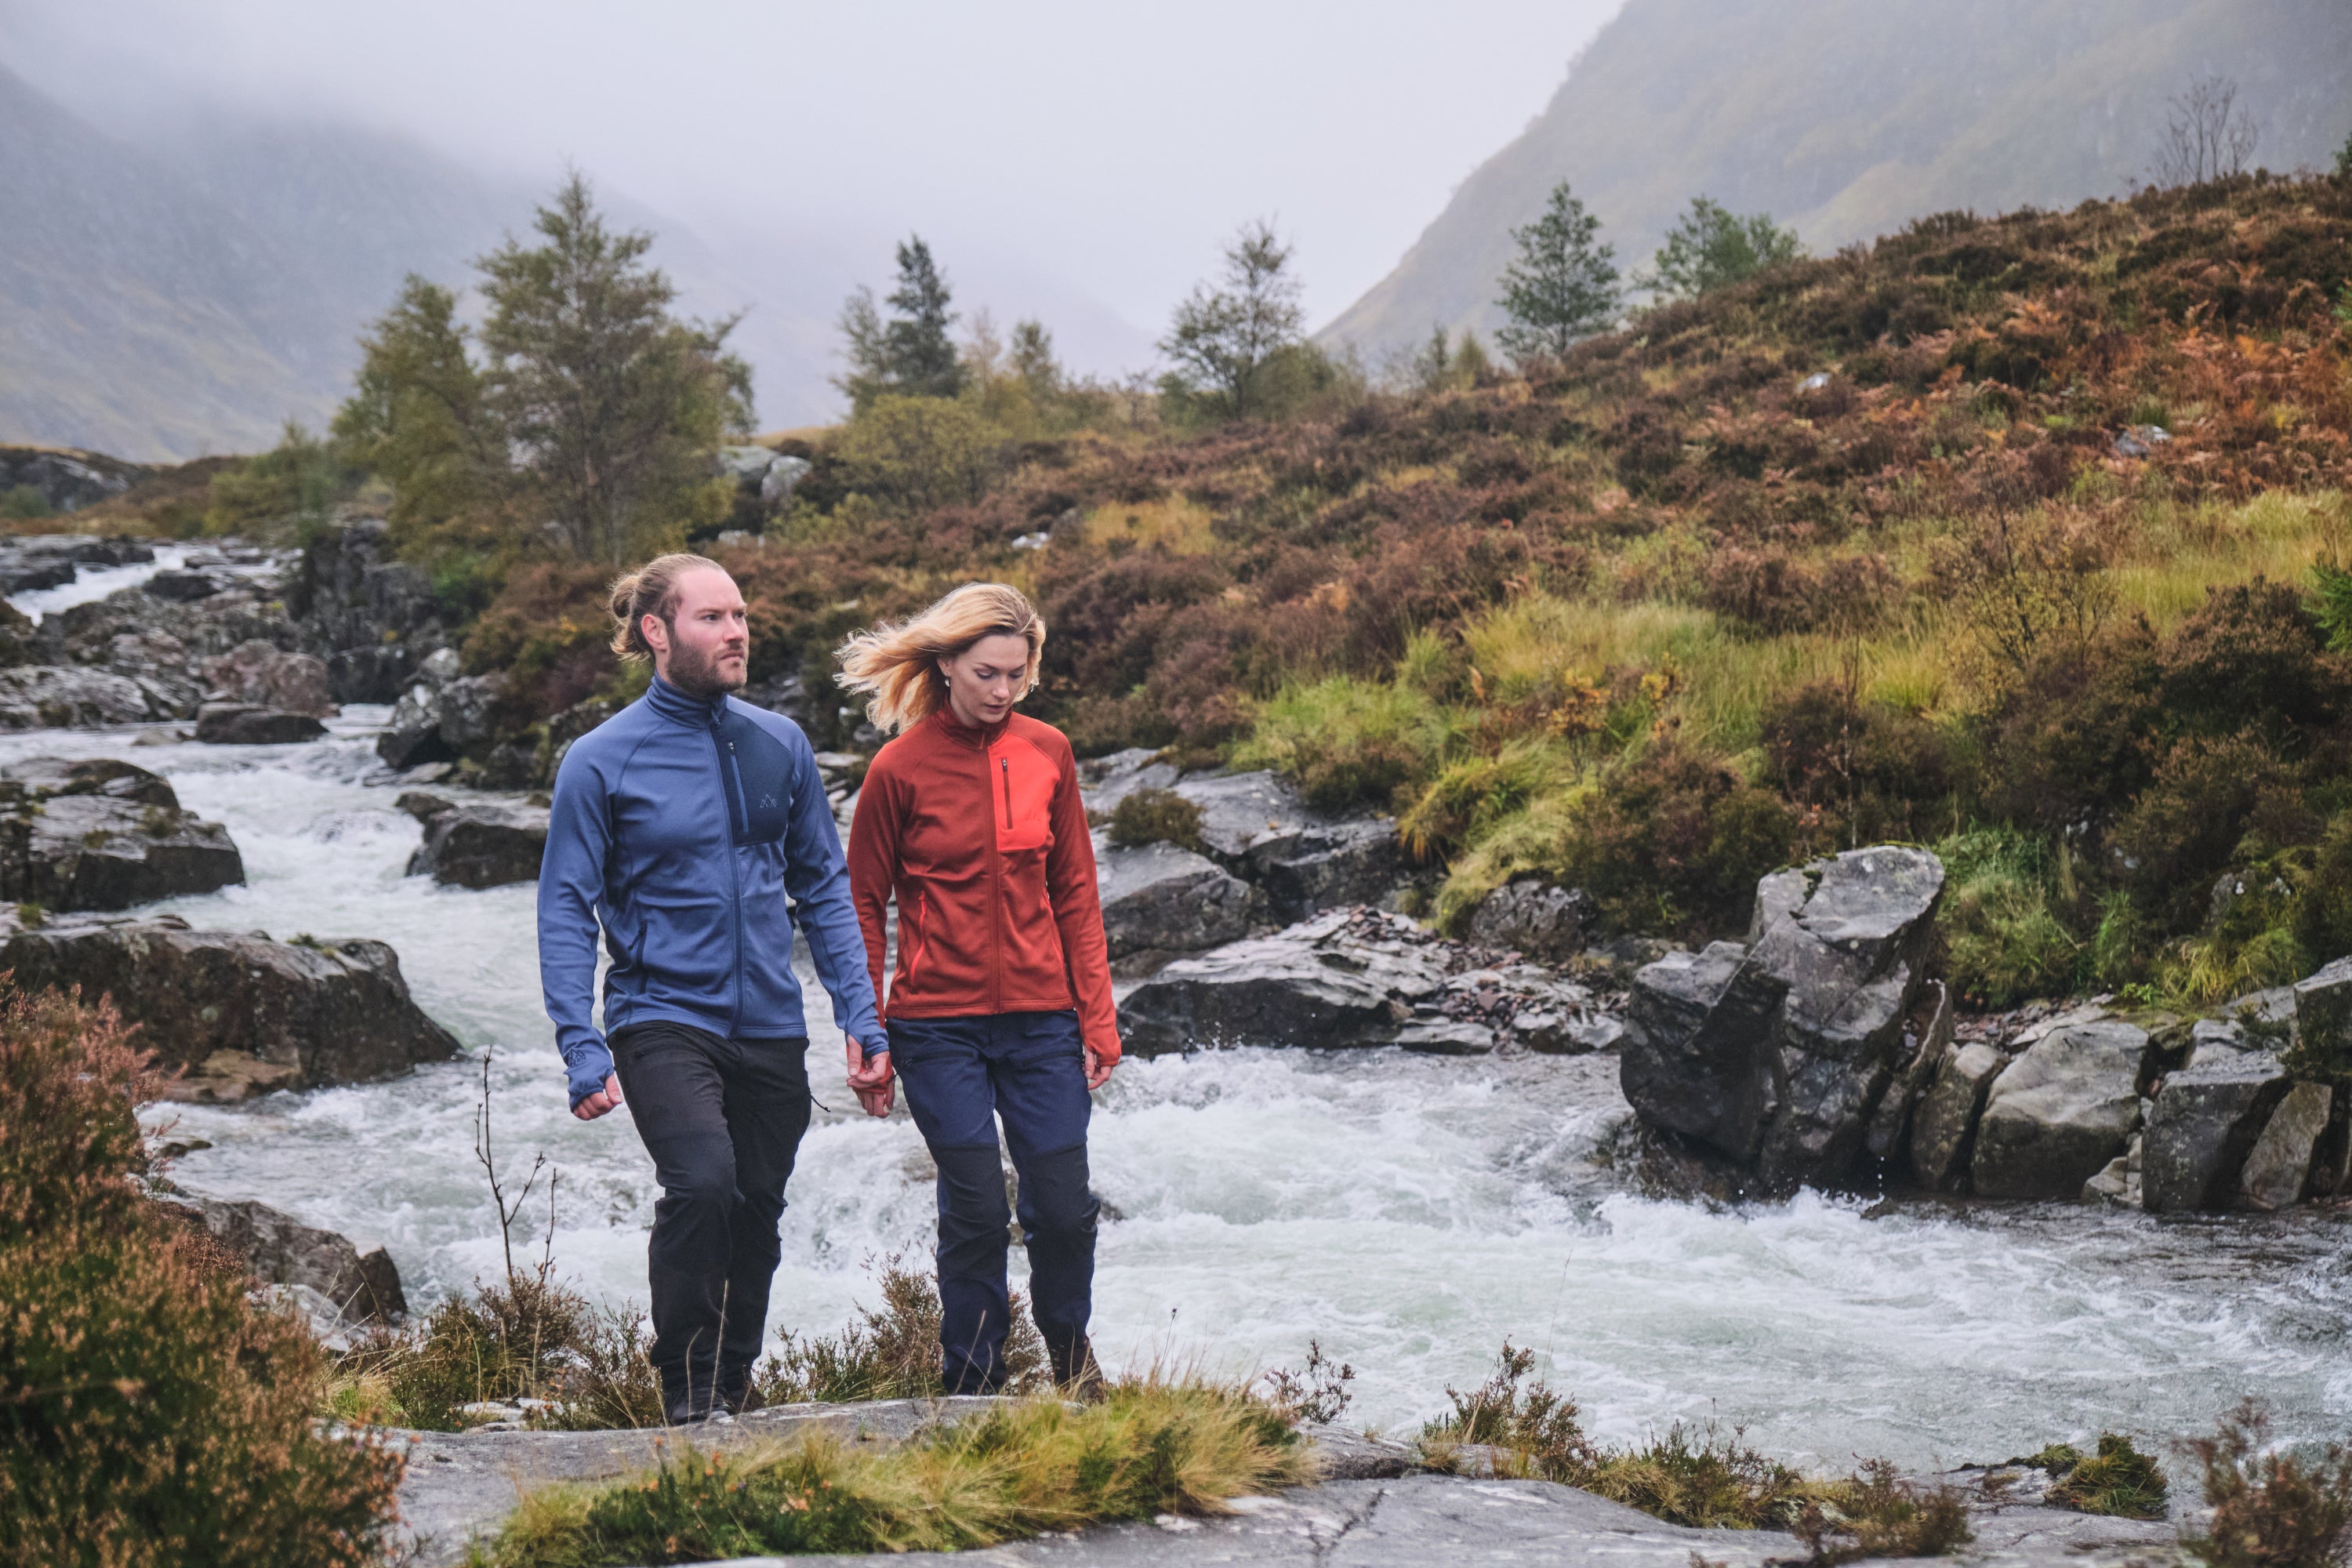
1159 898
266 676
243 725
1945 1124
68 478
240 1011
414 735
2204 1120
1777 1054
99 834
2061 1112
363 1283
1256 827
1104 782
371 619
1536 917
57 697
2322 1011
2278 1167
481 846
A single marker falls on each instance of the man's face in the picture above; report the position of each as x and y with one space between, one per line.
706 647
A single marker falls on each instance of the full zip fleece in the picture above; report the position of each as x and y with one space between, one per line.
696 833
982 838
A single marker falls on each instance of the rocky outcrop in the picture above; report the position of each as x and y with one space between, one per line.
1355 977
98 833
1256 827
240 1011
1775 1055
2204 1122
444 716
2321 1010
264 676
1160 900
1945 1124
2278 1168
361 1282
371 619
1545 922
54 697
481 846
66 477
244 724
167 648
2061 1112
1104 782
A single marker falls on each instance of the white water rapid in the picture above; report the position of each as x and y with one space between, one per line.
1407 1212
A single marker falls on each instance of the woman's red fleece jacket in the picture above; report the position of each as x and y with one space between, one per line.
982 837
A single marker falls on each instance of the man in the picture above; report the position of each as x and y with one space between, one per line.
682 824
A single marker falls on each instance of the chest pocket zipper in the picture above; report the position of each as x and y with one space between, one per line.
1004 767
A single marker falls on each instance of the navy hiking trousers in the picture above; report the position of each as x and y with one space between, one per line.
959 1076
723 1120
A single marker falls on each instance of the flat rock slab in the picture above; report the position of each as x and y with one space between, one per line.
481 846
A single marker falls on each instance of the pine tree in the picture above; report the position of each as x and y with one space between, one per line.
1433 367
920 355
417 418
1221 339
611 402
1710 247
1563 285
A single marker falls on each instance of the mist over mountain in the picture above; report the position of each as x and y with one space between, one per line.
1849 118
182 284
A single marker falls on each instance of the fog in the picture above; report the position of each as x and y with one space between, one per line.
1079 161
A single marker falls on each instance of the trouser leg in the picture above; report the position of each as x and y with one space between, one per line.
1038 1073
767 1109
671 1081
945 1077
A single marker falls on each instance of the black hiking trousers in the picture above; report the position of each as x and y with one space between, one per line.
723 1120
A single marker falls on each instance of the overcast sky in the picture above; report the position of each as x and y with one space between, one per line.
1109 146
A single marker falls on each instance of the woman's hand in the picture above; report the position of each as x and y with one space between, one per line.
870 1078
1098 1070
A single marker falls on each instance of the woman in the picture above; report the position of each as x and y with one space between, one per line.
1001 1006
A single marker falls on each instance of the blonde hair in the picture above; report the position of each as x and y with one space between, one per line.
897 665
650 590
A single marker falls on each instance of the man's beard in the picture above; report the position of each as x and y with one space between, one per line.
697 674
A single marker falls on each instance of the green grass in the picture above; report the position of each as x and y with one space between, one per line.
2118 1479
1152 1446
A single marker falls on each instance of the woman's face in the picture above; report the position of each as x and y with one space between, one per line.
984 679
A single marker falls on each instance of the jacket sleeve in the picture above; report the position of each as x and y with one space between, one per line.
571 882
873 862
818 880
1078 910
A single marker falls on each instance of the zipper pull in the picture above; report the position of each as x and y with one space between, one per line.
1005 763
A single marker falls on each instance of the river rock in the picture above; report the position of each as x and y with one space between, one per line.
1944 1126
1104 782
363 1283
43 778
1545 921
1933 1020
182 586
1157 898
241 1012
2278 1167
264 676
482 846
1256 827
2058 1113
372 619
1777 1054
53 697
2322 1023
243 725
68 478
1446 1037
1316 983
91 851
2204 1120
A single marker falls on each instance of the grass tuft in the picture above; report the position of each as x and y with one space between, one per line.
2118 1479
2271 1507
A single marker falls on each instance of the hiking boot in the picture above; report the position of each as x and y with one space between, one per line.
693 1400
738 1394
1075 1372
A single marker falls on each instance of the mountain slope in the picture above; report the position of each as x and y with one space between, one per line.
1851 117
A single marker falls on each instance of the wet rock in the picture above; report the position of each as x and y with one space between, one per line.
53 697
360 1282
264 676
1545 921
69 479
414 735
2058 1113
468 717
2322 1023
1447 1037
2204 1120
482 846
421 806
1315 983
1931 1025
2278 1167
22 642
241 1012
1256 827
243 725
43 778
1944 1126
371 619
1104 782
1157 898
1777 1054
101 851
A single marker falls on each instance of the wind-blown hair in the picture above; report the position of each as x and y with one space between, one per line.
897 665
650 590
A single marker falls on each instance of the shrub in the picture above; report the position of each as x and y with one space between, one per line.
2272 1508
1863 771
892 1351
2250 657
2003 939
154 1416
1876 1513
2065 746
1673 839
1155 816
2183 830
1767 591
915 453
22 504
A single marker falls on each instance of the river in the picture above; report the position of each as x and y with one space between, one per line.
1409 1213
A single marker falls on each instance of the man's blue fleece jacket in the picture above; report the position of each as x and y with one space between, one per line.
681 823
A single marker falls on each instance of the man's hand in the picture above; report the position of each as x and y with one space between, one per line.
1098 1070
870 1078
603 1101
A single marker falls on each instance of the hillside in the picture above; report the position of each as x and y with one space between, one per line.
1849 118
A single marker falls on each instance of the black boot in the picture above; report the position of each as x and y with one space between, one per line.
1075 1372
690 1397
737 1393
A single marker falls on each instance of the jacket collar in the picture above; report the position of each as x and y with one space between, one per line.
671 703
963 734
